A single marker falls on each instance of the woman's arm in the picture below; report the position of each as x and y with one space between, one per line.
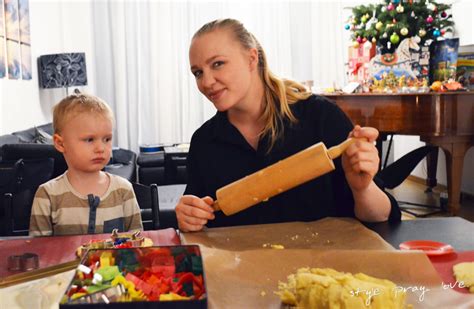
361 163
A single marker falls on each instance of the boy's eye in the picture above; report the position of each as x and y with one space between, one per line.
108 139
89 140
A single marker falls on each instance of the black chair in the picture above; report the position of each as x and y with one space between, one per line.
394 174
18 184
147 197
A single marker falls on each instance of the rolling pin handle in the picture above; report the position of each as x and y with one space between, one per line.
338 150
216 206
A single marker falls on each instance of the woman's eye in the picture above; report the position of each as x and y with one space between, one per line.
217 64
108 139
197 74
89 140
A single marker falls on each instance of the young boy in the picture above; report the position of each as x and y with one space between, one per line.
84 200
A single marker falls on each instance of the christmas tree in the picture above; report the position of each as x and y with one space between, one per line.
388 23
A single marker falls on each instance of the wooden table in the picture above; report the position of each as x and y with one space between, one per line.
445 120
58 253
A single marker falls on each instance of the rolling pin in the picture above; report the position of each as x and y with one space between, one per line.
299 168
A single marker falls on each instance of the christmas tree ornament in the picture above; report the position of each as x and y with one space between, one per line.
374 40
355 44
443 32
363 19
347 27
400 8
436 33
359 39
412 14
383 9
431 7
394 21
390 6
396 1
385 35
429 19
389 45
379 25
364 40
394 38
443 14
404 31
422 32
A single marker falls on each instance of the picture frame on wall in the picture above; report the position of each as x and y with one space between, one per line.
12 30
25 39
3 58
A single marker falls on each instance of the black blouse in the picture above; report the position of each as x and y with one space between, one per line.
219 155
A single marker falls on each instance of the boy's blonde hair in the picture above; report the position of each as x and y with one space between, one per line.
79 103
279 93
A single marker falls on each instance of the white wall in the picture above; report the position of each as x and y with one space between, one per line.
462 11
56 27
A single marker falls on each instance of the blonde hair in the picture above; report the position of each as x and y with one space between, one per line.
78 103
278 93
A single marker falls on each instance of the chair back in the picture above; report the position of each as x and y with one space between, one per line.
147 198
18 184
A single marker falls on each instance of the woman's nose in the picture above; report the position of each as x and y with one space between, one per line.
207 80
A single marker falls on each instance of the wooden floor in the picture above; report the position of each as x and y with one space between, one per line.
412 190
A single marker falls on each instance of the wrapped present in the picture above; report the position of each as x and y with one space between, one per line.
358 61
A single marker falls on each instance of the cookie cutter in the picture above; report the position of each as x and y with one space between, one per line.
24 262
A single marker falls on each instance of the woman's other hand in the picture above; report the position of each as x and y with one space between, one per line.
193 212
361 160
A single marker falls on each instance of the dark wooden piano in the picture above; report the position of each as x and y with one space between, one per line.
445 120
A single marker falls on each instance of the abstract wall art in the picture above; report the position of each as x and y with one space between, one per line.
15 41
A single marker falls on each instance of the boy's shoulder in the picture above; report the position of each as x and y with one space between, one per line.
55 185
119 182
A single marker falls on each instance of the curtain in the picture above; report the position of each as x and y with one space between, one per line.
142 64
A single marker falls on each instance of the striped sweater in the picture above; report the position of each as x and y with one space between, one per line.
58 209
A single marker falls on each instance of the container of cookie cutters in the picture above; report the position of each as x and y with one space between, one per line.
151 277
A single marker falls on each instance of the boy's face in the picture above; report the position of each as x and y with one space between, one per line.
86 142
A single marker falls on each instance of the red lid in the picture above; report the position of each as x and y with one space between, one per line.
430 247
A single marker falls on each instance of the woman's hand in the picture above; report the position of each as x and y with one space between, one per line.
193 212
361 160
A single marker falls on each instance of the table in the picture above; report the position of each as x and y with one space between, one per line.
455 231
440 119
58 253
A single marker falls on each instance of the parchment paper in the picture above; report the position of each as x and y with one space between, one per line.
248 279
328 233
243 273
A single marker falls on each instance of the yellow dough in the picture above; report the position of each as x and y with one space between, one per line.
465 272
328 288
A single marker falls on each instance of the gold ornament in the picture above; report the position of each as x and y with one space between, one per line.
404 31
422 32
400 8
379 25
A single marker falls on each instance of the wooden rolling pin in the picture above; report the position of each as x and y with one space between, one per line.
299 168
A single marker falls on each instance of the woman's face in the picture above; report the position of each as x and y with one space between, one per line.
223 68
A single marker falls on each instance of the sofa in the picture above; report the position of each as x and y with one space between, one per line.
27 159
36 142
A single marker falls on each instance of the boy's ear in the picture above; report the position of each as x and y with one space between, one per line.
58 142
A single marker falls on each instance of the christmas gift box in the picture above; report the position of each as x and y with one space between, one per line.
465 70
151 277
444 55
358 61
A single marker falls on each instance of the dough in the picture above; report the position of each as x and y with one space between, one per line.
328 288
465 272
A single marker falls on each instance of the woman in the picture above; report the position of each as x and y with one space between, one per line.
261 120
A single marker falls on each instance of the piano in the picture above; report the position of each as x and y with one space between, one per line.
445 120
